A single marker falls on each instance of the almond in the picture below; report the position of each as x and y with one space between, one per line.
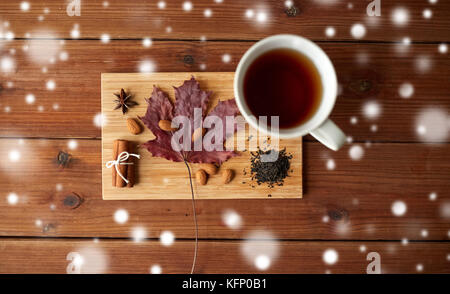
166 125
227 176
198 133
200 175
209 168
133 126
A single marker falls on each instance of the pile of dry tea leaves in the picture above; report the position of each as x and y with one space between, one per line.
271 172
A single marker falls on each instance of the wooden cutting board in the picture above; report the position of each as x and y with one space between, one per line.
158 178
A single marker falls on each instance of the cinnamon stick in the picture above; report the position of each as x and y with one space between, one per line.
122 146
115 154
131 171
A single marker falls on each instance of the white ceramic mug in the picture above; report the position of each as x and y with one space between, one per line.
319 125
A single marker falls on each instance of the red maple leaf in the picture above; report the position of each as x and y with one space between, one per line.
187 97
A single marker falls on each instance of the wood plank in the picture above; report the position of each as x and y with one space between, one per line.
366 72
228 21
122 256
353 201
159 174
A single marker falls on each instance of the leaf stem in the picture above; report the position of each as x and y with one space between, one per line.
195 218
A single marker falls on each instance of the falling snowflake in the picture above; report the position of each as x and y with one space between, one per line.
406 90
12 198
14 155
59 187
25 6
147 66
261 17
232 219
331 165
445 211
372 109
72 144
207 12
105 38
187 6
427 13
167 238
45 51
362 248
156 269
161 4
249 13
63 56
226 58
260 248
75 32
330 32
91 260
147 42
51 85
432 125
398 208
356 152
121 216
358 31
138 234
400 16
330 256
9 36
442 48
432 196
288 3
423 64
262 262
424 233
29 98
7 64
419 267
99 120
353 120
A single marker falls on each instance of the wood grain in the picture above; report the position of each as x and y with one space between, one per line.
122 256
366 72
163 179
353 201
123 20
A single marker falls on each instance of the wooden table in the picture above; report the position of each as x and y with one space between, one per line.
348 208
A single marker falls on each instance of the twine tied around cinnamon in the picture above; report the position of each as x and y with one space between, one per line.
121 159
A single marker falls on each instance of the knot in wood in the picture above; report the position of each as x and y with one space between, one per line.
291 11
72 201
365 85
338 214
188 59
63 158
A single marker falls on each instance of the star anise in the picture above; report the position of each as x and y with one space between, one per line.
124 101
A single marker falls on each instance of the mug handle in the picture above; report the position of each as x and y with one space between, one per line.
330 135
